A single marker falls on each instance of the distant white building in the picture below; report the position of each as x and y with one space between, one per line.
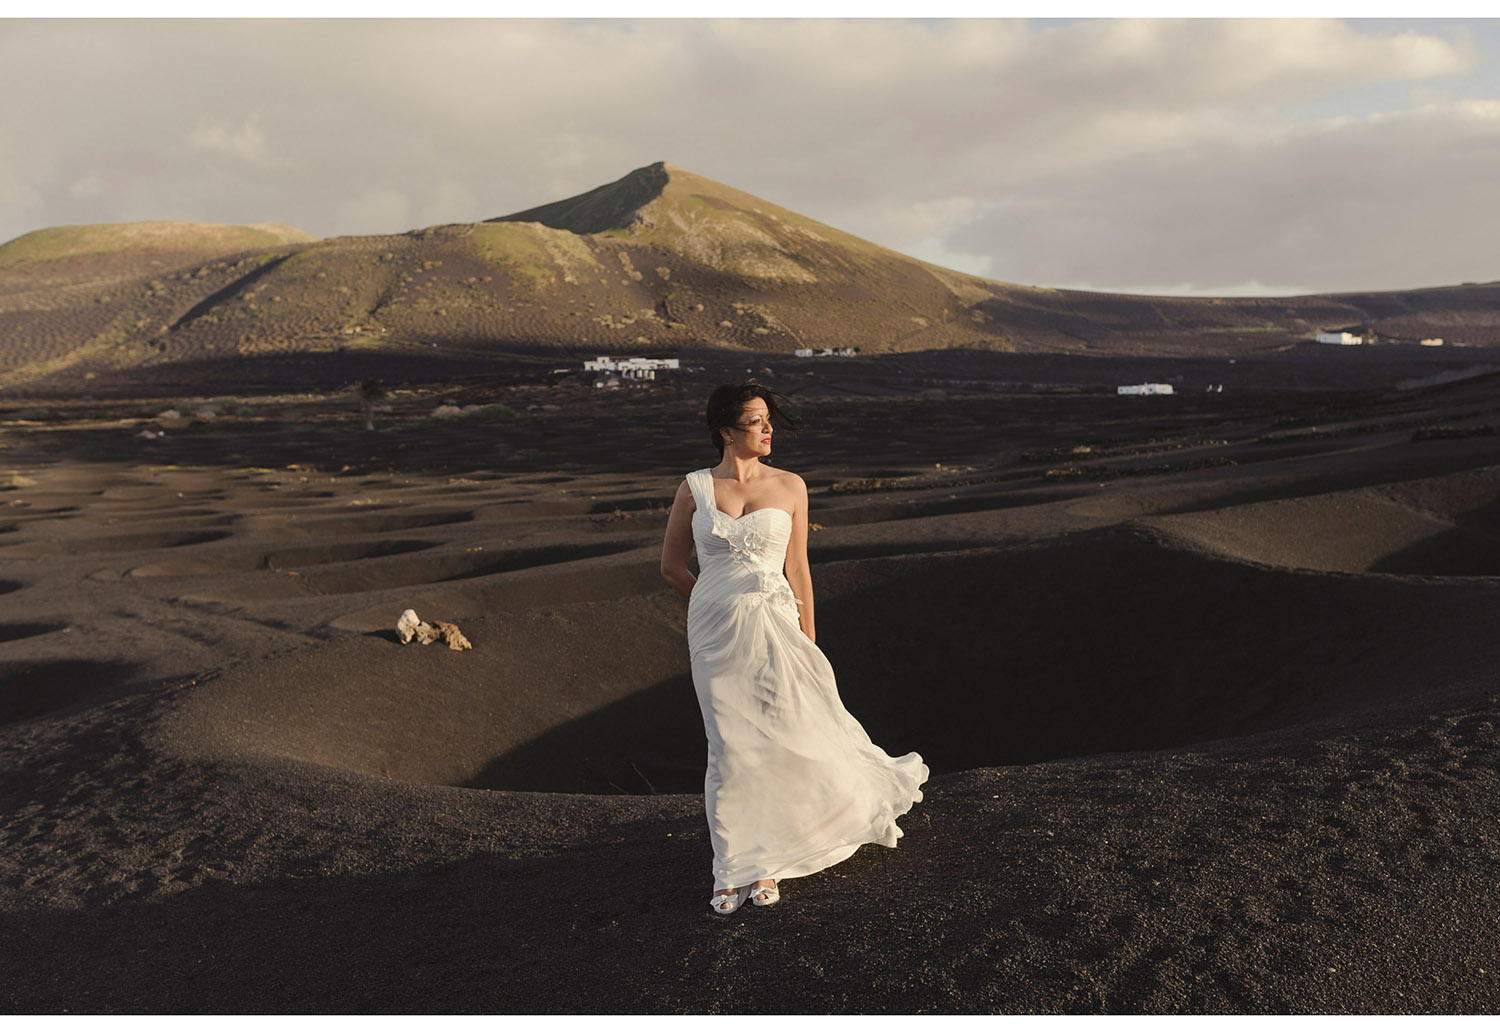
1342 337
1432 342
1144 389
807 353
633 366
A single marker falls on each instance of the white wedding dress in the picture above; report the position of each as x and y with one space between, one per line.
794 783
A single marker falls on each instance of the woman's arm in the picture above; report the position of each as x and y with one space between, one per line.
677 546
798 572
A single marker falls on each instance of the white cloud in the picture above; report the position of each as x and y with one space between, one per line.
925 218
936 250
1100 152
1390 200
246 143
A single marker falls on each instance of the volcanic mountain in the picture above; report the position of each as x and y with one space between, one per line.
660 259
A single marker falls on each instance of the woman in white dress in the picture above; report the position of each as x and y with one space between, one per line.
793 783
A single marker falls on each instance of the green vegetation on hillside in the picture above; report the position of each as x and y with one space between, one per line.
69 241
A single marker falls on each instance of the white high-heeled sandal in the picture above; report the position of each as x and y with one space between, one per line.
771 893
734 898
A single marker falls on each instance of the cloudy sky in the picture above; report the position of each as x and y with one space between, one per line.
1144 155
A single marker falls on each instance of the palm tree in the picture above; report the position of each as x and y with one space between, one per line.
369 391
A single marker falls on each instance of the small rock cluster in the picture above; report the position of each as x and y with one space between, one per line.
411 626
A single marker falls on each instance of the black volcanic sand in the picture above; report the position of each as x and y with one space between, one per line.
1207 684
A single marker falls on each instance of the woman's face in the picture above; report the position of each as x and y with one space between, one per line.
751 435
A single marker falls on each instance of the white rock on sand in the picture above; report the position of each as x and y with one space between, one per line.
411 626
408 625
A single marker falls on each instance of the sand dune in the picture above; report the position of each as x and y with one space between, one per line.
1098 644
1205 738
1446 525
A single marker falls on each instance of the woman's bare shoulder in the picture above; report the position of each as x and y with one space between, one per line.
791 487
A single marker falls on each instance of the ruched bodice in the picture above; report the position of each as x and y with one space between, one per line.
741 556
757 538
793 782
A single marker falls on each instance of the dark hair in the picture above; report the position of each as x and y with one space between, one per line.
727 404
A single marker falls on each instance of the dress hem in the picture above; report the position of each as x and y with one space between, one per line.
835 854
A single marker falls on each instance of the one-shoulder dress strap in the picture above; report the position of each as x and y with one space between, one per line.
700 482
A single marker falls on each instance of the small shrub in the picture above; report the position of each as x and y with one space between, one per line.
496 413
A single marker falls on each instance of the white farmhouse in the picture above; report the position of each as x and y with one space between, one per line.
632 366
623 368
1342 337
